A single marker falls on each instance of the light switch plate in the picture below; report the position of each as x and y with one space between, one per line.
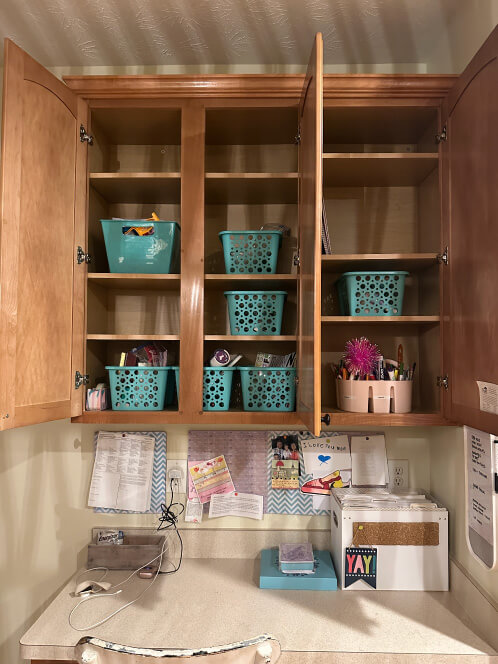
398 474
179 485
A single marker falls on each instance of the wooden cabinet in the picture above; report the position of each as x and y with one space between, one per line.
220 152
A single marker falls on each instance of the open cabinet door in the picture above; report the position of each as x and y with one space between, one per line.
43 210
310 214
470 230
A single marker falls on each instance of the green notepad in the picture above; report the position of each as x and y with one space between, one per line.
323 578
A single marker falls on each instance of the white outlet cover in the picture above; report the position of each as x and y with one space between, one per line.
398 473
181 465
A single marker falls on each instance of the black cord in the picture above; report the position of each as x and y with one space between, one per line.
168 519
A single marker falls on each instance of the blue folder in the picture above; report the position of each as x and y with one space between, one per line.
323 578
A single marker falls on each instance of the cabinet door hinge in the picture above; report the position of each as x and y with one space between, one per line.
297 137
80 379
443 258
443 381
84 137
443 136
297 259
82 257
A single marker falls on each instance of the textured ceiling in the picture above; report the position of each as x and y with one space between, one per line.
239 32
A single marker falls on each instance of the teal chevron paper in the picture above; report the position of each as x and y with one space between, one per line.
158 492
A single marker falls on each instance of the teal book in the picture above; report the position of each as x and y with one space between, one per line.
323 578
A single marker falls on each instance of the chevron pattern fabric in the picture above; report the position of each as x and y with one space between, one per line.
158 492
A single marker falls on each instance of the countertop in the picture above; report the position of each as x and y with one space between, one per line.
213 601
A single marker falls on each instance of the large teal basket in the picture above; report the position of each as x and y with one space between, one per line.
371 293
269 389
255 312
251 252
138 388
216 387
157 252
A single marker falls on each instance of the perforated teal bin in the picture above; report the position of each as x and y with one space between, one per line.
255 312
216 387
138 388
251 252
157 251
269 389
371 293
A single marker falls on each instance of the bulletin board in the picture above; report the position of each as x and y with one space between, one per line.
158 492
245 454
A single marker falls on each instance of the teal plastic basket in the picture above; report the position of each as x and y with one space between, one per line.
216 387
155 253
269 389
138 388
255 312
251 252
371 293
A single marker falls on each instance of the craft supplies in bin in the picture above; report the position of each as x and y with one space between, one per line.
371 293
251 252
137 246
268 389
216 387
138 388
98 398
255 312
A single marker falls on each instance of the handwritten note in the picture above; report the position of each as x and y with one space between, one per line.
480 483
369 461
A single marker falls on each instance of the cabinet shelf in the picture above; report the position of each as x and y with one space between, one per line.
260 338
174 417
377 169
133 337
114 281
379 320
415 418
260 188
137 187
338 263
234 281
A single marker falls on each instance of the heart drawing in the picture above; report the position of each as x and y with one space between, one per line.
323 458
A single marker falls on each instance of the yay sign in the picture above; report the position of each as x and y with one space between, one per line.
360 563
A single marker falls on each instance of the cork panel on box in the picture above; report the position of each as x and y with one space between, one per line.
395 533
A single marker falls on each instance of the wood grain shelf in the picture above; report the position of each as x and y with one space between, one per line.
133 337
137 187
377 169
175 417
415 418
337 263
381 320
263 281
236 337
153 282
257 188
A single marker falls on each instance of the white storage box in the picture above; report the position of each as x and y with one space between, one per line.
401 565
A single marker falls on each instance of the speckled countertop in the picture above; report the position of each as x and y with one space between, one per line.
212 601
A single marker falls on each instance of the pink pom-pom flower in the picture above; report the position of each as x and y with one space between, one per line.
361 356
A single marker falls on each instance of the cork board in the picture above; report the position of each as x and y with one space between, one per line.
396 534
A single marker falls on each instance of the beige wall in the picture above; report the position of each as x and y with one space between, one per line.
466 31
447 483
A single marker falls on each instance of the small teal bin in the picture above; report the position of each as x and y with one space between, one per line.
138 388
255 312
371 293
157 252
251 252
216 387
268 389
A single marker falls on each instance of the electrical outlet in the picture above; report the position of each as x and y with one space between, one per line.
398 474
179 483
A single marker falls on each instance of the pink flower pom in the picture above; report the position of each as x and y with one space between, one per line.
361 356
